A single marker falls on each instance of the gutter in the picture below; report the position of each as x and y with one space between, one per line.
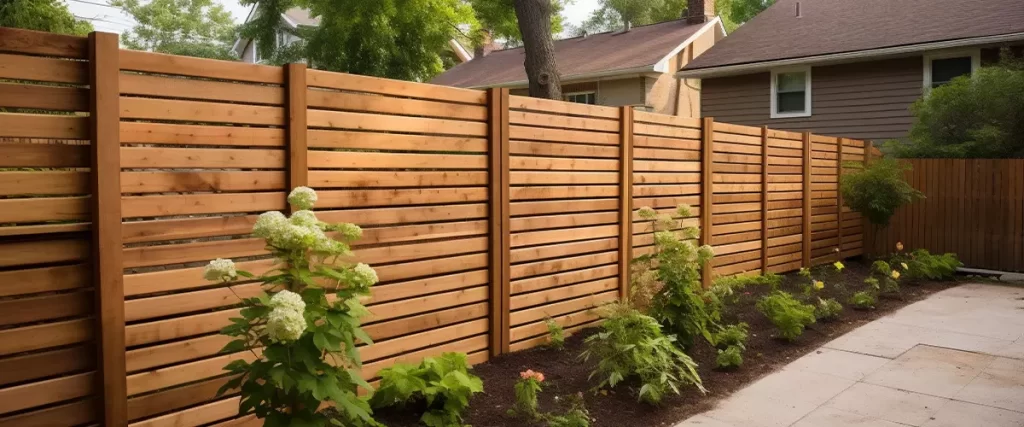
728 70
624 73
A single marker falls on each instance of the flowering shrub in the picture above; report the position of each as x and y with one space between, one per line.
303 344
788 314
679 305
922 265
443 383
526 390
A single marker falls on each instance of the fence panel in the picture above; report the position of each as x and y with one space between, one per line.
409 162
972 207
203 153
785 200
564 186
736 209
824 199
48 369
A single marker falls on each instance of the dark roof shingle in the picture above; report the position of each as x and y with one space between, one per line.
638 47
837 26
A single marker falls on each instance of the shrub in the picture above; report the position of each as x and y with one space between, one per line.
972 117
305 343
576 416
443 383
863 300
827 309
730 358
884 278
679 305
556 335
788 314
878 190
526 389
732 335
921 264
632 345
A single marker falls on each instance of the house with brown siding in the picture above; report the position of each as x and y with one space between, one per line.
849 68
633 66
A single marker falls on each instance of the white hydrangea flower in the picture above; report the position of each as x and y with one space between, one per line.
647 212
220 269
304 218
706 251
365 275
325 245
665 221
291 236
662 238
288 300
349 231
267 223
302 198
285 325
684 210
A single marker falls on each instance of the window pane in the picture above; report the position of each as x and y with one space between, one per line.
582 98
790 82
792 102
944 70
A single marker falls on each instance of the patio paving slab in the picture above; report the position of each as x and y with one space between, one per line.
955 359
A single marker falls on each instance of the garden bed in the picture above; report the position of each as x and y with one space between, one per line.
566 375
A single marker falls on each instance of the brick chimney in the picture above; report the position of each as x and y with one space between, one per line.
700 11
485 45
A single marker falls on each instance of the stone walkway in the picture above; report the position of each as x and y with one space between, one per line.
955 359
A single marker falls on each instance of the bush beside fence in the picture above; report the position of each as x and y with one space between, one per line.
484 214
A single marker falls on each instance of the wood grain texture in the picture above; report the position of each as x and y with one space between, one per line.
625 200
298 151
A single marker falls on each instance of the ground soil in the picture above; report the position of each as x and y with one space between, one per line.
566 375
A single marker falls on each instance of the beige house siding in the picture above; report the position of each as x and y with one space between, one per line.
616 93
868 100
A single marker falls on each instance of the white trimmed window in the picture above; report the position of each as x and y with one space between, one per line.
582 97
791 92
941 68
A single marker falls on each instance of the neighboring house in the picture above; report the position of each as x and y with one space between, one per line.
634 66
296 17
849 67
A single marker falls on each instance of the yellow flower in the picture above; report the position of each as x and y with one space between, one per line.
818 284
839 266
895 274
899 246
904 265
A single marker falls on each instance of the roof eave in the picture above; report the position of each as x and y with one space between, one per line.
624 72
754 67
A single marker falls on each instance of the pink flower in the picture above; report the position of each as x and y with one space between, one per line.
530 374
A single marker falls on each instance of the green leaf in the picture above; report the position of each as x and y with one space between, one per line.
234 346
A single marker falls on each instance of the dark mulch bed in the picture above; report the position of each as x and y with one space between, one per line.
565 374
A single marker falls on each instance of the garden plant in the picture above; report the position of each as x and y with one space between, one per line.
443 383
303 343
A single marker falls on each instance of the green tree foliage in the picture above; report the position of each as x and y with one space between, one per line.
51 16
740 11
971 117
878 190
499 17
613 14
398 39
201 28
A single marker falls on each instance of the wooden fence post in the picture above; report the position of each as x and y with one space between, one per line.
806 205
707 191
625 200
107 243
764 199
869 230
499 220
839 198
298 150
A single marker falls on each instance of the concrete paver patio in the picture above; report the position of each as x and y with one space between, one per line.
955 359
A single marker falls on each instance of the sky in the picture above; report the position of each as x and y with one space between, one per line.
111 19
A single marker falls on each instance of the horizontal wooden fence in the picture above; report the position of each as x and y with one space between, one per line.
122 173
972 207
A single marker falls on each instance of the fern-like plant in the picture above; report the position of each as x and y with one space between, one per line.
789 315
302 344
556 334
444 383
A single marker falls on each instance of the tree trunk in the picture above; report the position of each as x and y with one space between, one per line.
535 25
